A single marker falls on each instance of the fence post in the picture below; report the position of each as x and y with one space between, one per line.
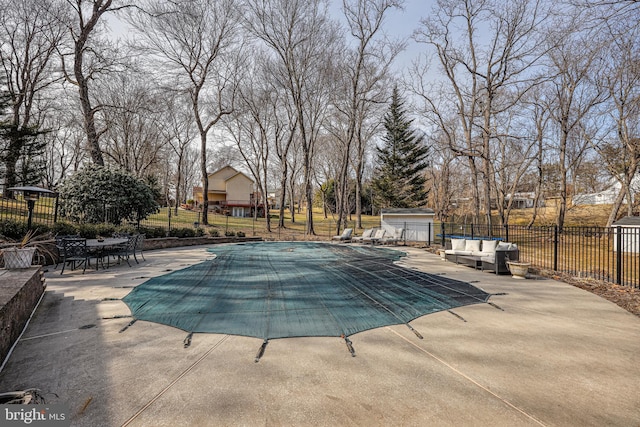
429 234
555 248
55 211
442 231
506 233
619 255
471 231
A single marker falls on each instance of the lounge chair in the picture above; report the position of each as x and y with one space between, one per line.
377 236
366 234
345 236
393 237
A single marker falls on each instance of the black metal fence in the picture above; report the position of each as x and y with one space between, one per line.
610 254
42 211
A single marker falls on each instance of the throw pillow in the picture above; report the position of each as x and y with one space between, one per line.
472 246
489 246
458 244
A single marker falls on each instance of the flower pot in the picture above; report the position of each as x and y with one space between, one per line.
18 257
519 270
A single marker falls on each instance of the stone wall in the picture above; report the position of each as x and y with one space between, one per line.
20 291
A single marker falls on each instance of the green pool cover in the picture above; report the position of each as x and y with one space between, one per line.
276 290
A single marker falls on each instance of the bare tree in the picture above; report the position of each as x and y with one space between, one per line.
197 42
514 152
440 174
487 50
65 140
302 38
179 133
253 126
573 95
620 151
539 115
366 66
92 56
30 38
135 117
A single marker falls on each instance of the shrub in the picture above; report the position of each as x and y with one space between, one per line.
182 232
64 228
128 229
96 193
153 232
229 233
240 234
88 231
12 229
214 233
105 230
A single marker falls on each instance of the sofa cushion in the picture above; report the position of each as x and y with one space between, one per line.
472 246
452 252
489 246
458 244
488 258
463 253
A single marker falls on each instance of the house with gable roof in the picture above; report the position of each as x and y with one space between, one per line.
230 192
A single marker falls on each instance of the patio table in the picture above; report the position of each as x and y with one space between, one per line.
110 241
100 248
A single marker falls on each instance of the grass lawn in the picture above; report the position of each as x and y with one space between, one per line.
323 227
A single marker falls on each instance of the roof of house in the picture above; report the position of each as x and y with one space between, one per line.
237 172
408 211
628 220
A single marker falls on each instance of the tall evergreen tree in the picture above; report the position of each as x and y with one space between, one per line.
21 149
400 180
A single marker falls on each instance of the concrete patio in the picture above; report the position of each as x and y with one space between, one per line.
545 354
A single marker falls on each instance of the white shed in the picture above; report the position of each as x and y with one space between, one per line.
417 223
629 233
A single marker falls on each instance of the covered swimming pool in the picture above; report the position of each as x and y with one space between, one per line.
273 290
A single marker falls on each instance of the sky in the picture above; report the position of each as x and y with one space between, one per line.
398 24
401 24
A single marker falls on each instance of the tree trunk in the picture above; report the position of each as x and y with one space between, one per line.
283 194
205 177
265 202
475 189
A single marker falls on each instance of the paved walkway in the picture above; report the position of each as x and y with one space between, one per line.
548 354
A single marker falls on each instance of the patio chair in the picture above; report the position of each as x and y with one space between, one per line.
59 246
74 252
138 247
124 251
345 236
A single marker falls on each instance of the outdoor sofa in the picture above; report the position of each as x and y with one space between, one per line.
482 254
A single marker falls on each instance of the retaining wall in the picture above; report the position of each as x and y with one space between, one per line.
20 291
